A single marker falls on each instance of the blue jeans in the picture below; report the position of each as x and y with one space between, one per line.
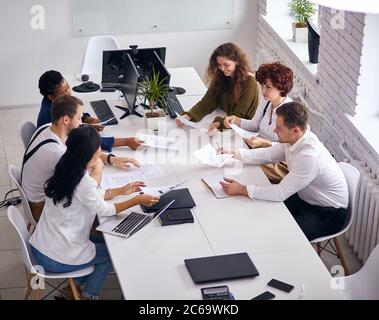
93 282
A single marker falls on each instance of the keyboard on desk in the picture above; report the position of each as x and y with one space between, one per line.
173 105
103 112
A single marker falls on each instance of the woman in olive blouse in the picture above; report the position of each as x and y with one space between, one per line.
233 88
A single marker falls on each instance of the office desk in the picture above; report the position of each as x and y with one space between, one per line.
150 265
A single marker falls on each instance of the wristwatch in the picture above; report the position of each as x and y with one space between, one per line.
109 158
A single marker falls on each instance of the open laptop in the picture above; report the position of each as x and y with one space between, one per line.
131 223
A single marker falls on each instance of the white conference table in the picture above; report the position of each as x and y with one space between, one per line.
150 265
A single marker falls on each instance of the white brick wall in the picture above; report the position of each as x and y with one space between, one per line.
332 92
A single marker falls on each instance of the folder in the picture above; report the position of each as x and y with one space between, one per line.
219 268
182 197
176 216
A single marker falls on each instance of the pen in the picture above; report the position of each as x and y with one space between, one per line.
219 149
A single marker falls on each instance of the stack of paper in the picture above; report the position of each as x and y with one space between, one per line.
208 155
243 133
213 183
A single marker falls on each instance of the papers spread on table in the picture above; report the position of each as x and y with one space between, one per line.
186 122
213 183
242 132
208 155
159 142
132 174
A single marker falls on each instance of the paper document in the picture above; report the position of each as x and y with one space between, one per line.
160 191
213 183
130 175
186 121
242 132
208 155
159 142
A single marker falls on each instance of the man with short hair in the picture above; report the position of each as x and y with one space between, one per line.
315 189
46 147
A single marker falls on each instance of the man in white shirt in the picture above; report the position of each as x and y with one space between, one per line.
48 145
315 190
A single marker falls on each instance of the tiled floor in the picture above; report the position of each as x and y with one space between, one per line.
12 272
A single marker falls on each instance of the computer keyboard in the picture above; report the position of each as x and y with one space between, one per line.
173 105
103 111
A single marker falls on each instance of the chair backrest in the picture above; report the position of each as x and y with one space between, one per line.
15 174
365 283
26 131
352 178
18 222
93 58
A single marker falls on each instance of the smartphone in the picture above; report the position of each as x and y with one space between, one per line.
267 295
280 285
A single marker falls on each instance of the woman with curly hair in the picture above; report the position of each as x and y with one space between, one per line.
276 81
233 88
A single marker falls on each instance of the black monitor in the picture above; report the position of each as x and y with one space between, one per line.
113 67
129 83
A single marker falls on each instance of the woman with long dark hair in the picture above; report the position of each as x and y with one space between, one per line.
61 241
233 88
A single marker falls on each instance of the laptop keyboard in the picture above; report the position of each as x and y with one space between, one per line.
130 222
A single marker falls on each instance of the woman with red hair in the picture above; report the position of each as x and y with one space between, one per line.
276 81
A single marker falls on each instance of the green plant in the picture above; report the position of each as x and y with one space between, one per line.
154 90
302 10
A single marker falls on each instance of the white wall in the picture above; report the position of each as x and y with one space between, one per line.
26 53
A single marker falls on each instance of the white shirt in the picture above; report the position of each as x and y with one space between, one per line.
41 165
261 123
63 234
313 173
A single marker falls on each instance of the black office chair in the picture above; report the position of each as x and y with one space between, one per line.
313 42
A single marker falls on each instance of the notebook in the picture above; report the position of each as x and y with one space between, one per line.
213 183
131 224
182 197
218 268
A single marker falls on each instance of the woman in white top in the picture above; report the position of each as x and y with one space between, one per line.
61 241
276 81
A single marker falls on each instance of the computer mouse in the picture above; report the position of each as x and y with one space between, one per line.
180 90
90 84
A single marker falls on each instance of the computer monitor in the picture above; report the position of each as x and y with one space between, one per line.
135 51
129 83
113 71
146 57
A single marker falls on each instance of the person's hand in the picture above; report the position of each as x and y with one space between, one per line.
96 166
132 187
147 200
133 143
213 128
257 142
232 119
181 124
226 151
123 162
91 120
233 187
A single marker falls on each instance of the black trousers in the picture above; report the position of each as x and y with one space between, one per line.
315 221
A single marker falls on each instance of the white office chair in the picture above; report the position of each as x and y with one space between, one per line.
26 131
93 58
15 217
15 175
352 178
364 284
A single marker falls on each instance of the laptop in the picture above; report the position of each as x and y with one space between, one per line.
131 224
220 268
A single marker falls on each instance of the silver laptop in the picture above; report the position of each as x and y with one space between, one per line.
130 224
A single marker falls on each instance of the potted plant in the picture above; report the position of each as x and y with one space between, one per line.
154 89
302 10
